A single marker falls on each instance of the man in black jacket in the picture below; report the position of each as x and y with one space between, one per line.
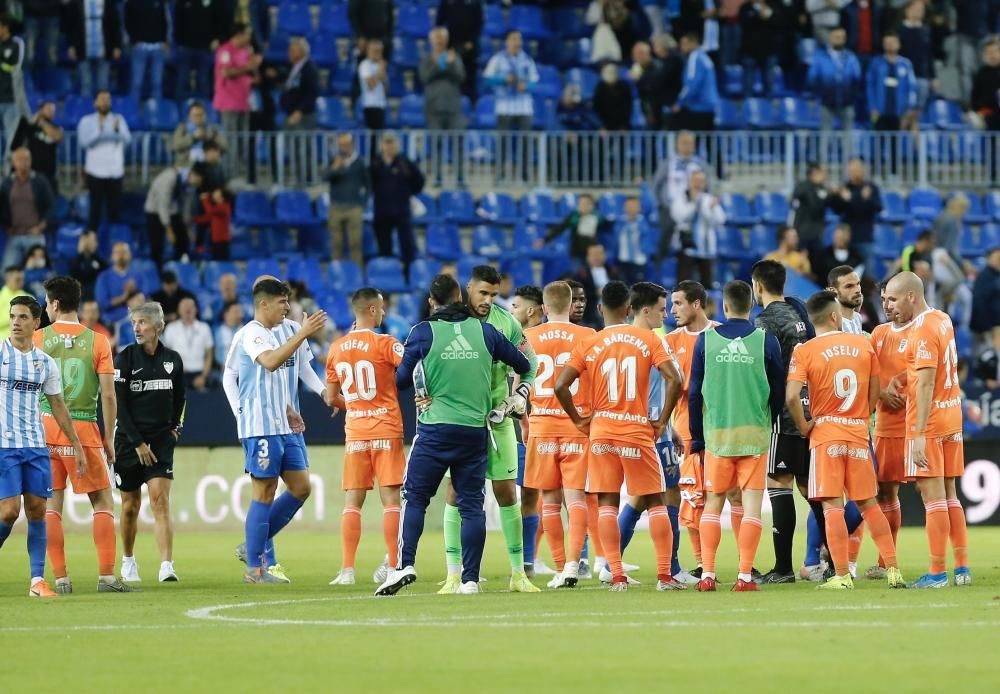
146 23
809 202
197 28
761 23
301 87
464 21
94 34
594 276
394 180
649 76
841 252
371 19
858 203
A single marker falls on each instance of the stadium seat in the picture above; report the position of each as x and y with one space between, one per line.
67 239
911 230
568 22
497 208
894 209
443 241
494 24
521 273
333 19
733 244
485 117
187 274
566 204
386 274
323 50
423 271
458 206
924 203
490 242
294 18
430 214
732 81
406 52
253 209
277 48
214 269
55 80
761 240
738 209
759 114
529 20
263 266
293 208
466 264
413 21
990 236
943 115
338 308
887 242
331 114
411 111
585 78
408 306
549 82
729 115
344 276
539 207
525 236
160 114
977 213
110 234
307 270
772 207
796 113
611 205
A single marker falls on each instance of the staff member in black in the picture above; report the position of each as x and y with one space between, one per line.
149 383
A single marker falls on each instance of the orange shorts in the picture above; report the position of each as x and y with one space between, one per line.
611 463
97 475
692 486
837 467
890 454
366 461
555 462
723 473
945 457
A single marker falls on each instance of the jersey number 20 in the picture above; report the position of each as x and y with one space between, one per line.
361 374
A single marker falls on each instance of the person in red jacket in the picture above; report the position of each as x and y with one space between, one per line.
217 212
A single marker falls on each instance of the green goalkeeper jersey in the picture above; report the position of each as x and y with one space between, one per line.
508 326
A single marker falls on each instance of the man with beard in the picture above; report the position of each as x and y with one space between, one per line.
845 283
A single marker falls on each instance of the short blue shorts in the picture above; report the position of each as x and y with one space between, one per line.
671 466
269 456
25 471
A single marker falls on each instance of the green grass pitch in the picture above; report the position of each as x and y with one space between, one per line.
210 632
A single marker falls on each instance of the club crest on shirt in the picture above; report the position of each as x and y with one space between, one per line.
168 366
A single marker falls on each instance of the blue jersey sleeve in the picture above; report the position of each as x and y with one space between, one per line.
694 395
418 342
504 350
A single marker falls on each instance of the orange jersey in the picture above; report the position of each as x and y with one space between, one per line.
620 360
554 344
364 364
890 348
837 367
681 343
931 344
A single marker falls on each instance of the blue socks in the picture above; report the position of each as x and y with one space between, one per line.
4 532
852 516
36 547
813 540
269 556
675 565
256 532
627 519
283 510
529 528
585 551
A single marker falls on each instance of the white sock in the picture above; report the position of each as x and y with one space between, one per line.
744 577
128 559
454 569
106 579
708 574
35 580
167 564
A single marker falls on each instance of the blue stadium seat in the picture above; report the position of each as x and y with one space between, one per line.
386 274
549 82
729 115
466 264
67 238
667 272
306 270
529 20
149 275
887 242
160 114
498 208
431 214
56 81
342 79
333 18
761 240
252 209
494 24
911 230
277 48
990 234
539 207
586 79
569 24
338 308
485 117
732 81
943 115
214 269
331 114
343 275
977 213
894 209
263 266
457 206
611 205
293 18
75 107
759 114
187 274
733 244
406 52
411 111
964 342
738 209
971 242
991 204
566 204
323 49
110 234
423 271
413 20
521 272
797 113
925 203
524 239
408 306
490 242
772 207
443 241
210 112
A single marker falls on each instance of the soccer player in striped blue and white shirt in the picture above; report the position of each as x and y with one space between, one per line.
26 373
265 420
846 284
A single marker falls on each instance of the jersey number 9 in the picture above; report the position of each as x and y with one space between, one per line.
845 386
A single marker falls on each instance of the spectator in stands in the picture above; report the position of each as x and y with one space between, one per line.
301 88
442 73
835 76
370 20
394 324
94 37
891 89
163 208
571 154
506 296
858 203
104 135
87 266
42 137
217 214
90 316
226 293
146 23
635 242
699 97
197 27
986 297
37 270
971 26
116 284
671 182
350 184
593 275
761 23
512 75
464 21
254 14
948 226
41 31
613 100
809 203
986 86
699 217
26 203
236 67
841 252
395 179
915 45
232 320
192 339
918 258
788 252
170 294
212 172
191 136
585 224
124 333
665 50
13 285
825 16
987 367
730 32
862 19
373 76
13 102
650 76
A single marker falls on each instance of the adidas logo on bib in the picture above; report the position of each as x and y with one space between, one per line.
458 349
735 353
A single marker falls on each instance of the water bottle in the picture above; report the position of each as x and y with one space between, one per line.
419 381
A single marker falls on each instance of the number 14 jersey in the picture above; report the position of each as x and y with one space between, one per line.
364 364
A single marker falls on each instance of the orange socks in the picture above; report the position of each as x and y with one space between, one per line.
390 529
104 539
959 533
736 520
881 534
350 535
593 526
552 522
748 540
57 543
577 529
695 535
894 517
854 543
836 539
607 518
663 540
711 535
938 530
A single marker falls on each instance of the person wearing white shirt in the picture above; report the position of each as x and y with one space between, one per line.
232 321
104 135
512 74
699 217
374 79
192 339
671 184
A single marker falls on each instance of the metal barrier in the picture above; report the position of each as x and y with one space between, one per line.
483 159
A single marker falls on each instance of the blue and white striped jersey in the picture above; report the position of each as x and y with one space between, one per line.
853 325
264 396
301 359
657 393
24 377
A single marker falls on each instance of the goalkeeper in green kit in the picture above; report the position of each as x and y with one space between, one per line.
482 289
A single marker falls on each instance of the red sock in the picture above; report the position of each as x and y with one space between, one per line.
577 529
611 538
663 540
893 516
552 520
736 519
695 535
748 540
878 526
350 535
938 530
56 543
593 526
104 539
959 533
390 530
711 535
836 539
